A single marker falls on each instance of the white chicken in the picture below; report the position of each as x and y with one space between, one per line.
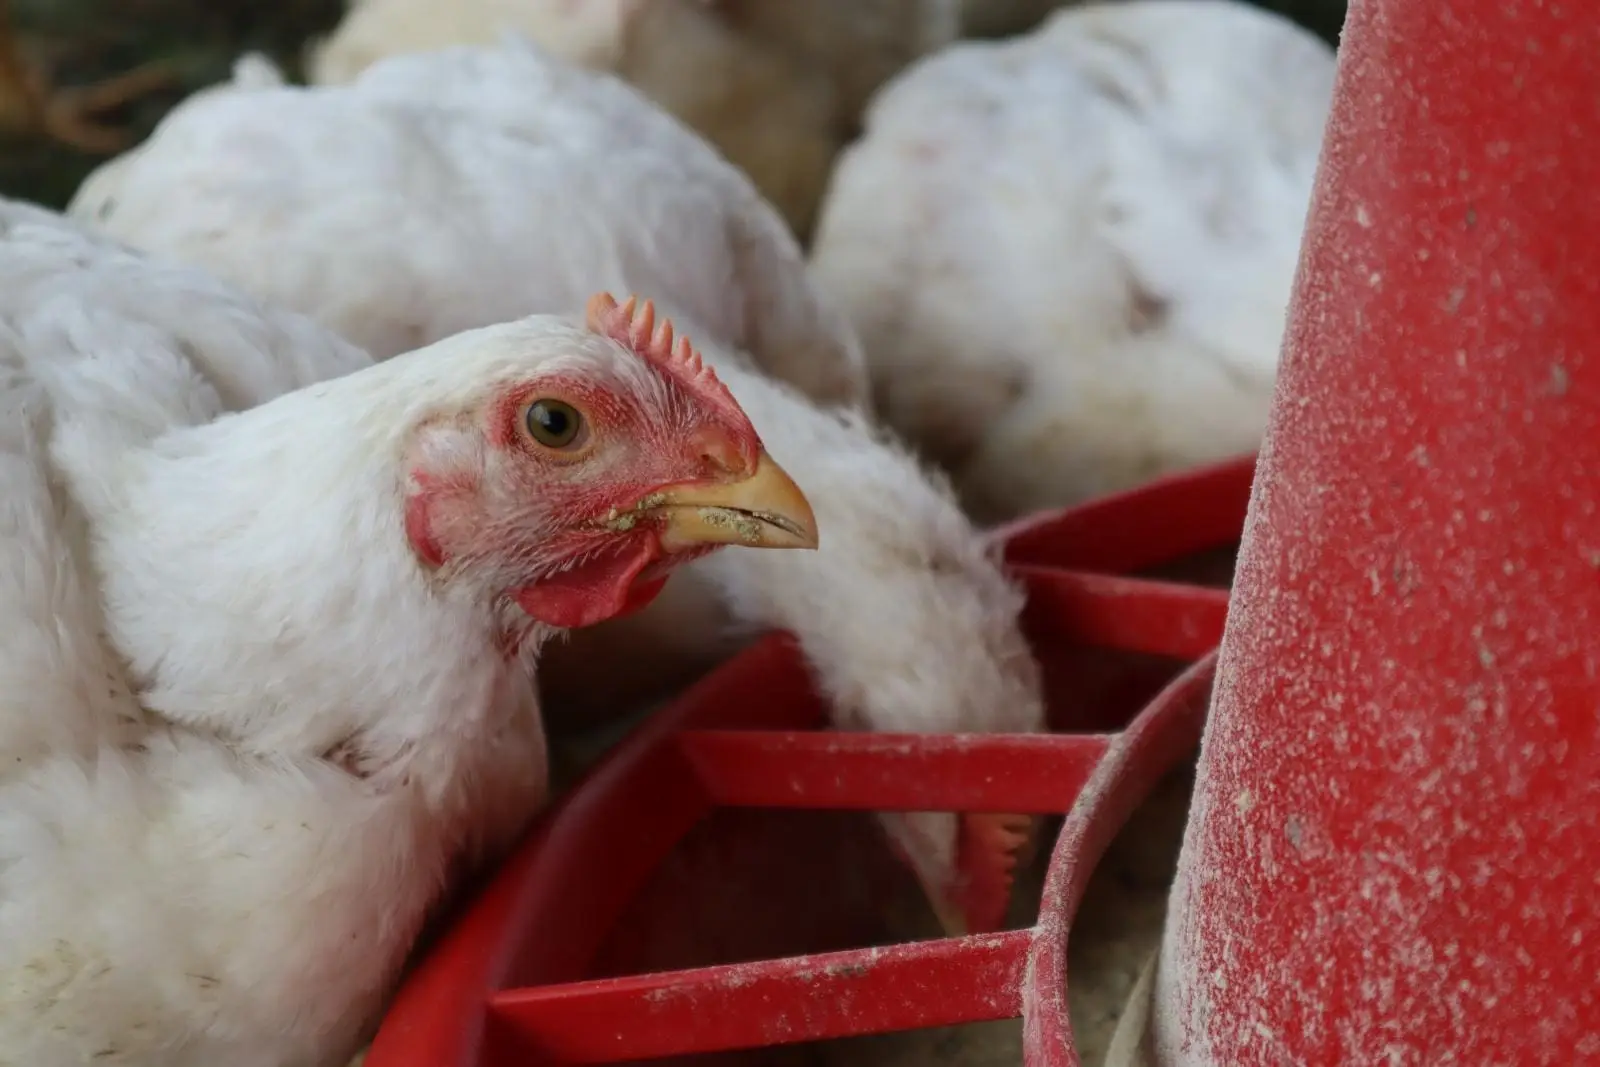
606 190
1069 255
263 680
777 86
905 616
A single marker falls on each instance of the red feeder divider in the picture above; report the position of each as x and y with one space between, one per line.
624 874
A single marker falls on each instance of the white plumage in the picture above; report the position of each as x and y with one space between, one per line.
450 186
169 895
247 737
589 33
904 614
777 86
1069 255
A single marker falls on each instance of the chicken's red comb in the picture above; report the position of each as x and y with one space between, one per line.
635 328
987 853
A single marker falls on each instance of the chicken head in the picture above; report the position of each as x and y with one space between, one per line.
573 491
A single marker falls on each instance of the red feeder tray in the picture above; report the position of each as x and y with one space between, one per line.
728 834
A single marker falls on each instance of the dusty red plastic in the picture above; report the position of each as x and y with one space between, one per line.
582 949
1395 840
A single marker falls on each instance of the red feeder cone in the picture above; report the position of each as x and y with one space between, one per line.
1394 851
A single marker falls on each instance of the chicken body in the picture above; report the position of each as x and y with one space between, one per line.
1069 255
249 731
589 33
199 885
601 189
906 618
777 87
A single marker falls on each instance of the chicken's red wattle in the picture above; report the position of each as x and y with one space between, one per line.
602 589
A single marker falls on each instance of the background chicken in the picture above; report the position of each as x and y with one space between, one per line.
604 190
1069 255
859 45
251 727
778 87
907 621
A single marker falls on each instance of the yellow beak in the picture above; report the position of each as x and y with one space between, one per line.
765 510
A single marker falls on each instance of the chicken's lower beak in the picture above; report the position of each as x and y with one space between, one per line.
765 510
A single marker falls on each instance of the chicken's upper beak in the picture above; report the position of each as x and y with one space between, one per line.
764 510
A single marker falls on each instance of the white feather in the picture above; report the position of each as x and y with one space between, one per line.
206 588
777 86
1069 255
455 184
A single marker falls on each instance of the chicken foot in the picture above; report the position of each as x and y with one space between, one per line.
31 106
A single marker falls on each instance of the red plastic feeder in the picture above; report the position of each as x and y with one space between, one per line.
707 887
1393 855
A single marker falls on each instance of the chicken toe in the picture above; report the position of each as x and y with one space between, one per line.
31 106
990 849
68 114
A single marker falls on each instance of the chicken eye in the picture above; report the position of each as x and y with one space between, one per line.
554 423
